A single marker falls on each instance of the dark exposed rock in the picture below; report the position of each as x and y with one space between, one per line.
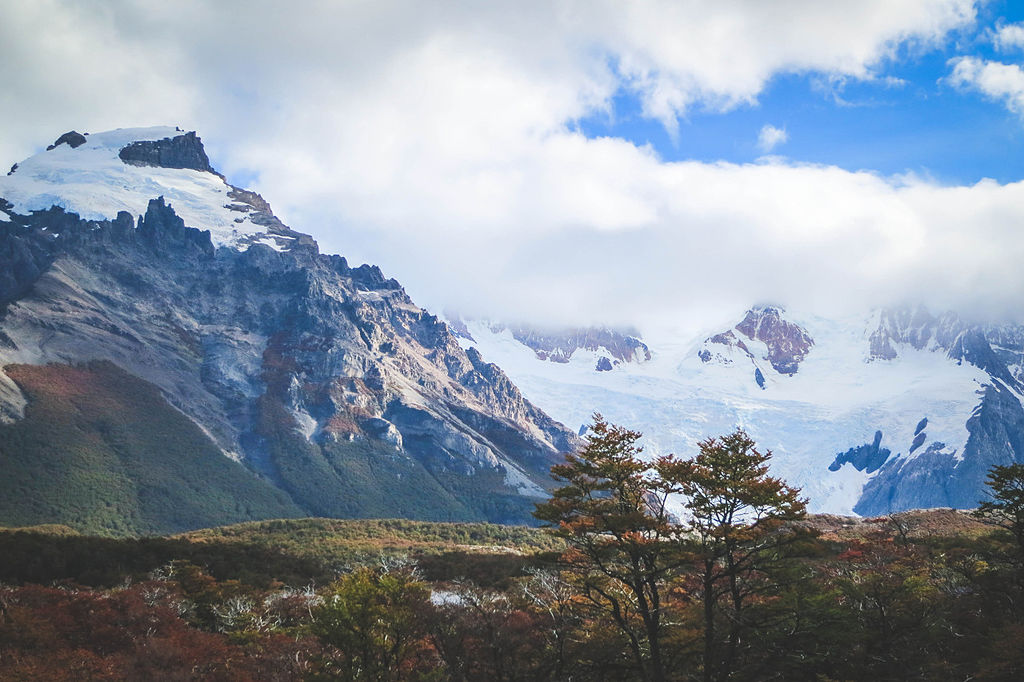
370 277
161 228
25 252
719 347
880 346
247 200
13 168
938 477
972 346
71 138
1007 342
759 377
729 339
998 350
258 210
869 457
182 151
603 364
458 326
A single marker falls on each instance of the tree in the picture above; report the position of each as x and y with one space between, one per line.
377 621
612 513
1006 506
892 619
736 510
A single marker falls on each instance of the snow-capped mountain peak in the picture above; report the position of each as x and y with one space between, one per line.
100 175
764 340
324 383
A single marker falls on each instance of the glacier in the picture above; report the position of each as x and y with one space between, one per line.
838 398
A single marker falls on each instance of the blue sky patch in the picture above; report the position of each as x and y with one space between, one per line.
908 119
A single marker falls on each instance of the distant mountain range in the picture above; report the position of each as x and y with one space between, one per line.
895 410
174 357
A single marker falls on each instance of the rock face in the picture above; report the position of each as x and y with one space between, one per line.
762 335
324 379
933 474
912 327
869 457
998 350
182 151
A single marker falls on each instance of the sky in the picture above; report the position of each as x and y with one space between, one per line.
581 161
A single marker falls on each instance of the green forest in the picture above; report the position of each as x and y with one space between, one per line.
741 585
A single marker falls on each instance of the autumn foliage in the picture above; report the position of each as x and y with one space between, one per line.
738 585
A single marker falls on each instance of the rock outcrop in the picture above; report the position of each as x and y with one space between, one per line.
72 138
183 151
787 343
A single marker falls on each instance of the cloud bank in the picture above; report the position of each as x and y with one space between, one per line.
440 140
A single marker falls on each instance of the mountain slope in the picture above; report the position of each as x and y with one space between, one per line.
102 450
325 381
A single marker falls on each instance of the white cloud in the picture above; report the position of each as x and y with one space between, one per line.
437 140
771 137
206 61
998 81
719 55
1009 36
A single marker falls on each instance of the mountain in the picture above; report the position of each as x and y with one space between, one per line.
895 410
173 356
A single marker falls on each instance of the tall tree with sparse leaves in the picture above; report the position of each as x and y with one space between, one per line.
611 511
736 513
1006 505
